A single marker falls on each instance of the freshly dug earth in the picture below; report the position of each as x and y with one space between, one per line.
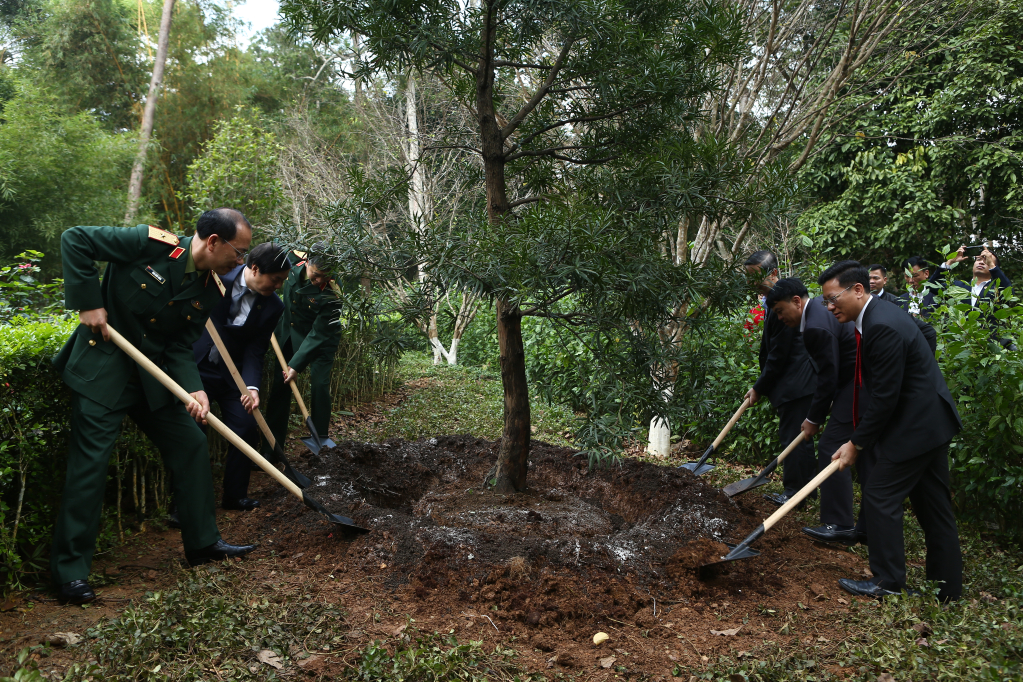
615 549
612 550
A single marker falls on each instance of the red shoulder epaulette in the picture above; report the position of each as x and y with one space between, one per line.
176 253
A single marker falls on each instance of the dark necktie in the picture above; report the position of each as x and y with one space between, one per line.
857 381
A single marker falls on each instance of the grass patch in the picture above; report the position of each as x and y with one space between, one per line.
211 626
459 399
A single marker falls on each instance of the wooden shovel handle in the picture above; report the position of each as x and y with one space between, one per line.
798 497
284 365
239 382
731 423
792 446
185 397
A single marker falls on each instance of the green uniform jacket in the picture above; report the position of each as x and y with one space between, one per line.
310 318
146 302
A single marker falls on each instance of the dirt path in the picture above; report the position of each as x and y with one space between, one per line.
581 552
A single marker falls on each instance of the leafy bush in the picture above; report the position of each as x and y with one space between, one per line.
986 381
23 296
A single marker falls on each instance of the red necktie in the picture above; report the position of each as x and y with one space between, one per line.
857 381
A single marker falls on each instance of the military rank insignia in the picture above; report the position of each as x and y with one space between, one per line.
176 253
197 305
155 275
156 234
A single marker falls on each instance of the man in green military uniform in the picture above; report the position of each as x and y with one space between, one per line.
157 291
308 334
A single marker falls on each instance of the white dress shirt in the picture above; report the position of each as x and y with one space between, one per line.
242 298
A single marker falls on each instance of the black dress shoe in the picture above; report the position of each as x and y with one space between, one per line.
75 592
781 498
831 533
244 504
865 588
218 551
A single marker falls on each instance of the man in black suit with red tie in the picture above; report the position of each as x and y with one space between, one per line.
787 378
832 347
245 319
910 419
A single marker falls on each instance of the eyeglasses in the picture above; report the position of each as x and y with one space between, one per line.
240 255
834 299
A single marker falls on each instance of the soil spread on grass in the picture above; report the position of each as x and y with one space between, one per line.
614 550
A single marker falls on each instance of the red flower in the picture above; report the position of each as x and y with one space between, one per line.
754 318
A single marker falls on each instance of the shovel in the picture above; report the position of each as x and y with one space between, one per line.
699 468
221 428
742 550
747 484
300 479
313 442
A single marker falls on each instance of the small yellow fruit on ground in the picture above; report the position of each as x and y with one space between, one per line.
600 638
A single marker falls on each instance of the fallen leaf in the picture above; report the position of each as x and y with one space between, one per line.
399 630
842 601
922 642
312 660
62 639
607 662
941 641
726 633
270 658
923 629
10 604
151 575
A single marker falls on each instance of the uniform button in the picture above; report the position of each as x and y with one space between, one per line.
143 286
92 342
188 317
170 302
153 319
292 324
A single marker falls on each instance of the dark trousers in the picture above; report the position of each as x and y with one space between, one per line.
837 489
865 462
925 480
801 464
236 467
94 431
279 407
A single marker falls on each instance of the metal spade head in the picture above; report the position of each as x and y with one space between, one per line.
740 551
697 468
744 486
348 523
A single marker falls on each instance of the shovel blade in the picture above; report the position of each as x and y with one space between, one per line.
744 486
314 447
736 552
348 523
697 468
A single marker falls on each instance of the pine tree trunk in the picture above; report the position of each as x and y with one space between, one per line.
513 458
149 114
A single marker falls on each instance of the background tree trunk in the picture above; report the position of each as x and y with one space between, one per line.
149 114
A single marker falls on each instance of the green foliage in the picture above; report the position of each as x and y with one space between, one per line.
237 168
986 381
28 670
57 169
435 658
213 620
23 296
89 54
935 158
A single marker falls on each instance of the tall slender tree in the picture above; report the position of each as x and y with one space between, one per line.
561 91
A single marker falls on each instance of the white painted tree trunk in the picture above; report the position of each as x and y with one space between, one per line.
659 442
149 114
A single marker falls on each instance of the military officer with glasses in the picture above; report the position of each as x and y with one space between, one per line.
157 291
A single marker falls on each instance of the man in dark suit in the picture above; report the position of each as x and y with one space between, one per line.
878 282
787 378
832 346
911 419
244 319
919 297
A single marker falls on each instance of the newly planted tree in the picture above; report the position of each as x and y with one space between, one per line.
567 97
